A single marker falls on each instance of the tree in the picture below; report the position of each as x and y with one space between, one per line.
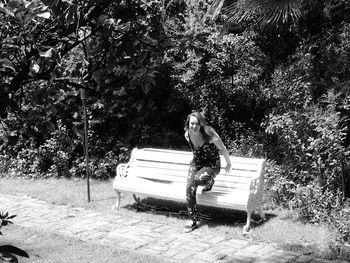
113 49
70 43
51 49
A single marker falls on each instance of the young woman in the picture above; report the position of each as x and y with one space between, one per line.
206 146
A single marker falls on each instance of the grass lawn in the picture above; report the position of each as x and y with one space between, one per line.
280 228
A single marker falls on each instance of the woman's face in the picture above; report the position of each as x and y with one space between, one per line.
194 125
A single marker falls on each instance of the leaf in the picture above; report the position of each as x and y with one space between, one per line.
53 110
140 72
122 91
46 54
70 17
53 77
15 3
335 80
145 88
50 126
5 63
19 12
56 10
6 11
142 57
96 75
45 15
111 64
4 215
14 250
8 257
26 3
214 9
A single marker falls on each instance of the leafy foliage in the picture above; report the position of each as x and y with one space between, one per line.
113 49
5 219
9 253
222 78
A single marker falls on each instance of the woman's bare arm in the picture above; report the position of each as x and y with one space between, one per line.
218 142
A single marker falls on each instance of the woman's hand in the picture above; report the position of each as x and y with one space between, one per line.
228 168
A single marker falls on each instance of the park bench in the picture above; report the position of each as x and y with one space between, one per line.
163 173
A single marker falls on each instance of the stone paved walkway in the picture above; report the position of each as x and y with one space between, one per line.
147 237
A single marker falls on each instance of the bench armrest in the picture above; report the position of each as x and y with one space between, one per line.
256 190
122 170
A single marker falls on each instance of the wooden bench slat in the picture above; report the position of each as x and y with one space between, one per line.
224 187
180 173
180 157
165 166
173 175
178 191
185 160
145 182
164 158
184 167
189 154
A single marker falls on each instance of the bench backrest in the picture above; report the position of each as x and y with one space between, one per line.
170 166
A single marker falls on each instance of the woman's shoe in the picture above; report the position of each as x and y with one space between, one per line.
190 226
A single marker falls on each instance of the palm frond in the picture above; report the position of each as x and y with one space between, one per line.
264 13
279 12
214 9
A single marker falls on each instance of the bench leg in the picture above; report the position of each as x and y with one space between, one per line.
262 214
246 228
117 203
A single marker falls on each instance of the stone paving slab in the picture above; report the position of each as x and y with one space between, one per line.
147 237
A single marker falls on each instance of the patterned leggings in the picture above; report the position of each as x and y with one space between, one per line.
202 176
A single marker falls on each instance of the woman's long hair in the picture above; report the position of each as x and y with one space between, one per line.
205 130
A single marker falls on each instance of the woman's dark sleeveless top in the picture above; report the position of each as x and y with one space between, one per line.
205 156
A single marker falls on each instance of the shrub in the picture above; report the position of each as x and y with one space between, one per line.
279 188
340 221
313 158
50 159
99 168
9 252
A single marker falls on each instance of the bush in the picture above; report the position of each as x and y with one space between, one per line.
313 159
278 188
50 159
100 168
340 221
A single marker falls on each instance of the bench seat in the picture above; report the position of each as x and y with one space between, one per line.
162 174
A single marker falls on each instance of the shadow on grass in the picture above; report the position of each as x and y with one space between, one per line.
212 216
